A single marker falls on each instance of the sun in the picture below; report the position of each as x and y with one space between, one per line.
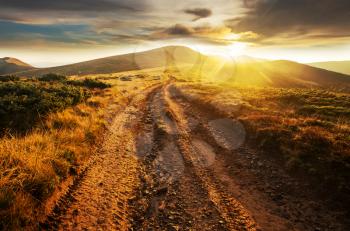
232 36
236 49
233 49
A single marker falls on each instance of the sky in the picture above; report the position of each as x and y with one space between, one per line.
49 33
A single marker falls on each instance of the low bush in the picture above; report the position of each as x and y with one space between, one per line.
7 78
52 77
22 104
89 83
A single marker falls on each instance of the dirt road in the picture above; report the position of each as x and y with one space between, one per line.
169 164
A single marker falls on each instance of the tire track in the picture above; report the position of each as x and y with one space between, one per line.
235 216
172 196
160 167
273 199
98 197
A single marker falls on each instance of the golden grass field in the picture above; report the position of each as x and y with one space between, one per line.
34 165
305 130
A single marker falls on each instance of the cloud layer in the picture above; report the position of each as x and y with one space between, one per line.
199 13
68 5
285 20
117 23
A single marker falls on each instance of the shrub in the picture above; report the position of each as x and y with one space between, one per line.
24 103
7 78
52 77
90 83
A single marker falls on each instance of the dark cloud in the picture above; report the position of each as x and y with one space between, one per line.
297 19
179 29
205 34
199 13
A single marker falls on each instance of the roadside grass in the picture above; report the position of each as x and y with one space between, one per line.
34 163
25 102
308 130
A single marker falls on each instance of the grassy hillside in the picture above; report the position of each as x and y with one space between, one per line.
10 65
161 57
192 65
252 72
337 66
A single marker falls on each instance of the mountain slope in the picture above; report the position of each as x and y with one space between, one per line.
337 66
10 65
160 57
192 65
265 73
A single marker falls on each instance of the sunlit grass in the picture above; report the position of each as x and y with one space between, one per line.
33 165
306 129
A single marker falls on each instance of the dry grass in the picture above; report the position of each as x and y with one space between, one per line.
306 129
32 166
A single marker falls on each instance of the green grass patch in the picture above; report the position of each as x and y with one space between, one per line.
23 103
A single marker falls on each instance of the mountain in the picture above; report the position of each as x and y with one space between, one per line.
337 66
10 65
265 73
192 65
160 57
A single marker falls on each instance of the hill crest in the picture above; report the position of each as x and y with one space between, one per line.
9 65
337 66
246 71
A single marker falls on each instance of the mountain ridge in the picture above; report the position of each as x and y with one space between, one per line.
194 65
117 63
10 65
337 66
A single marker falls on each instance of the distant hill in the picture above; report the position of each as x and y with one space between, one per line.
284 73
10 65
160 57
337 66
266 73
193 65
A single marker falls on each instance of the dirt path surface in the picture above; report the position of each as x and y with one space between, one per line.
97 200
168 164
